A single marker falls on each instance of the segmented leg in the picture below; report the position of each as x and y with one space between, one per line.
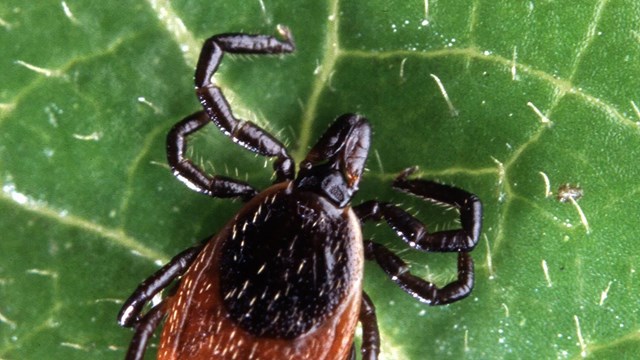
352 353
424 291
130 313
189 173
413 231
370 334
216 106
143 331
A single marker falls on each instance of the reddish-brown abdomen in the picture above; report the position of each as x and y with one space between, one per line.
199 323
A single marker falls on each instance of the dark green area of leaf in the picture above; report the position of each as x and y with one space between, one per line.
89 208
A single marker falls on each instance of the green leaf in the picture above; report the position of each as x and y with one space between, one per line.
492 96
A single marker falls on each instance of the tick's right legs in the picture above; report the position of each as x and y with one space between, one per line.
415 233
370 334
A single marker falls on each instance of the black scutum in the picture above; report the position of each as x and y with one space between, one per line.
286 268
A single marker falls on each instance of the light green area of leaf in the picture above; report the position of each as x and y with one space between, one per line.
534 90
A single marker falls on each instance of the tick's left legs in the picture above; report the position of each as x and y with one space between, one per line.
414 233
191 174
244 133
130 313
143 331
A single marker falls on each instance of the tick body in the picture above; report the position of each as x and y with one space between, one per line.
283 278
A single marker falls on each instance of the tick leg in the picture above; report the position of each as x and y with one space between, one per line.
414 232
352 353
417 287
129 314
370 334
245 133
143 331
238 43
189 173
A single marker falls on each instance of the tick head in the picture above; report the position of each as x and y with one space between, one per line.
335 164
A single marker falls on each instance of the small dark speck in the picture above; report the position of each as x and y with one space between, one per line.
566 192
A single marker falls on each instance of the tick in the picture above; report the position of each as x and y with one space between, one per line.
283 278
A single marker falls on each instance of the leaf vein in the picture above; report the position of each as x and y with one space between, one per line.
589 37
174 25
562 86
117 236
332 54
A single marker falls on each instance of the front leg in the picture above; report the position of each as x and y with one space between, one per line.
189 173
413 231
245 133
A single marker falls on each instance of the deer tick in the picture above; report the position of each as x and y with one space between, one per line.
283 278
